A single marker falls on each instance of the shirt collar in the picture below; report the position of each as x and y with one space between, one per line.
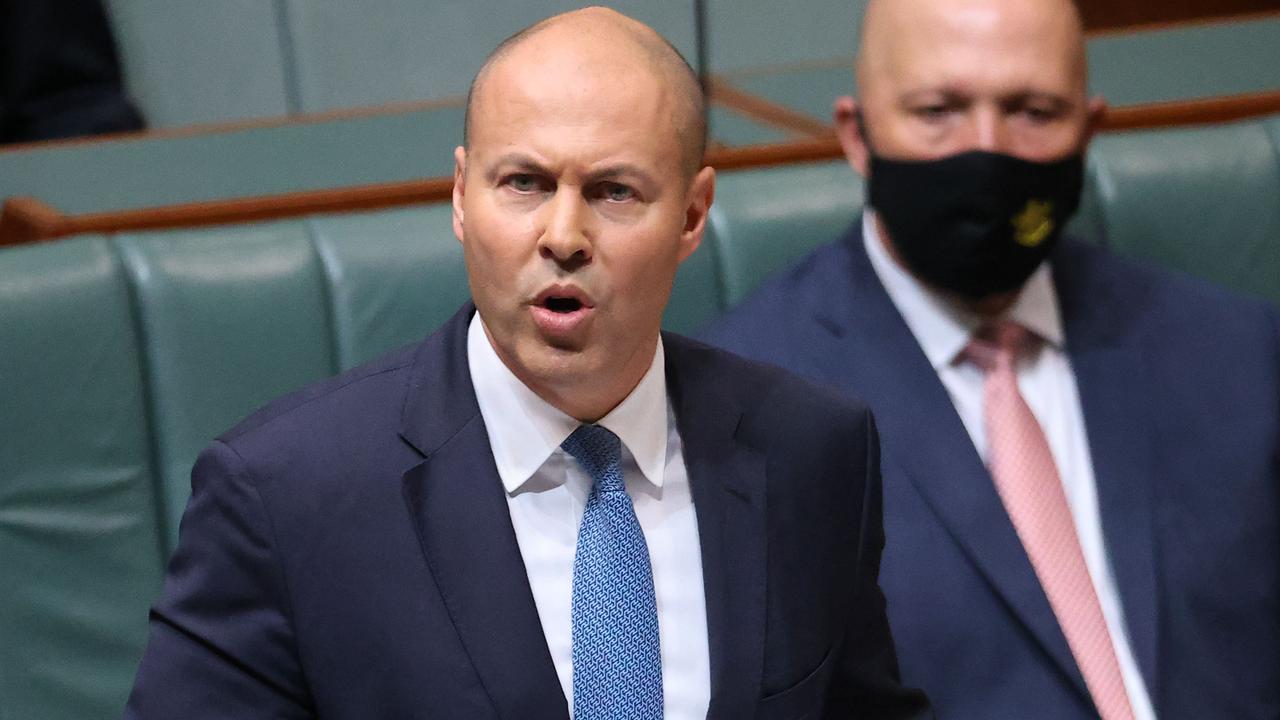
943 328
525 430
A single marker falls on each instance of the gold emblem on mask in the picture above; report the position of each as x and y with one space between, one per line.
1033 224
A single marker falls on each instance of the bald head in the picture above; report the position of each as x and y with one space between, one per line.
598 39
940 77
1049 33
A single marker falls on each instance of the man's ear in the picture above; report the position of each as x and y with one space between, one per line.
1095 114
849 129
459 188
702 191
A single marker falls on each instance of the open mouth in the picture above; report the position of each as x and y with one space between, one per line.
562 305
562 311
563 299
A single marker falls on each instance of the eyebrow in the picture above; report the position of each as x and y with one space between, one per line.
520 160
1021 95
524 162
620 171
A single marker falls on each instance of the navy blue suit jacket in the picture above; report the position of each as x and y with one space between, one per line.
1180 388
347 552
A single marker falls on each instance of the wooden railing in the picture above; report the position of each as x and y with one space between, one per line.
28 220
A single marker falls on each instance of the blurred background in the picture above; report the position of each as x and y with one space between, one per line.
252 97
207 203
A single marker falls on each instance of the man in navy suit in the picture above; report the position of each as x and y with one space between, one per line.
59 73
1081 455
547 505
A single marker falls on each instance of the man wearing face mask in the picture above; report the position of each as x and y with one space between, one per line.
1081 456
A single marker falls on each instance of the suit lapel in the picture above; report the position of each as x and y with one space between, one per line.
1109 372
864 344
727 479
460 511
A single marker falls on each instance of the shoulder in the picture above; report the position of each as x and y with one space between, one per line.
1166 303
368 395
774 403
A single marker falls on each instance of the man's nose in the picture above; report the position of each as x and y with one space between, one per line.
990 131
566 235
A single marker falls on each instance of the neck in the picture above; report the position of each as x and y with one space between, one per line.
586 404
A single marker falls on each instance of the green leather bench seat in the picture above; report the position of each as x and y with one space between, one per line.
1129 68
392 277
121 357
189 63
202 62
1230 233
1188 62
151 171
227 318
80 531
764 220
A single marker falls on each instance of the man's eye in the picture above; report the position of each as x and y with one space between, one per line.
1038 114
523 182
616 192
932 112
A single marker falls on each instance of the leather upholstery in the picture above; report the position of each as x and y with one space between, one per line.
1205 201
227 318
238 59
392 277
763 220
121 357
80 528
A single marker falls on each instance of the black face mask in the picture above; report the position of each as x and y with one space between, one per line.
978 223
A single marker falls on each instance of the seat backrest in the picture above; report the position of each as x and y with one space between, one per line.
195 62
392 277
1205 201
765 219
80 528
347 56
228 318
1166 64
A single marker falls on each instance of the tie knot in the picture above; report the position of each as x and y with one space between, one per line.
998 343
599 452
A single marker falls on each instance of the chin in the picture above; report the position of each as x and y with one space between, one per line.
552 367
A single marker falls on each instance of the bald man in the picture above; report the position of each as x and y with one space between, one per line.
1081 455
547 508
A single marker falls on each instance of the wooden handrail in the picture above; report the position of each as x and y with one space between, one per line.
27 220
1192 112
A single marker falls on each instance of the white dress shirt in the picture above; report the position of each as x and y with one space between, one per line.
1048 384
547 491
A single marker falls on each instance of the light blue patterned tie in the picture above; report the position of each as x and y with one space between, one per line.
617 660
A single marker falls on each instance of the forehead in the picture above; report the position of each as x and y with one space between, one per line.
585 101
980 47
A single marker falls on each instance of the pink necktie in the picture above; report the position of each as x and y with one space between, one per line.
1027 481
